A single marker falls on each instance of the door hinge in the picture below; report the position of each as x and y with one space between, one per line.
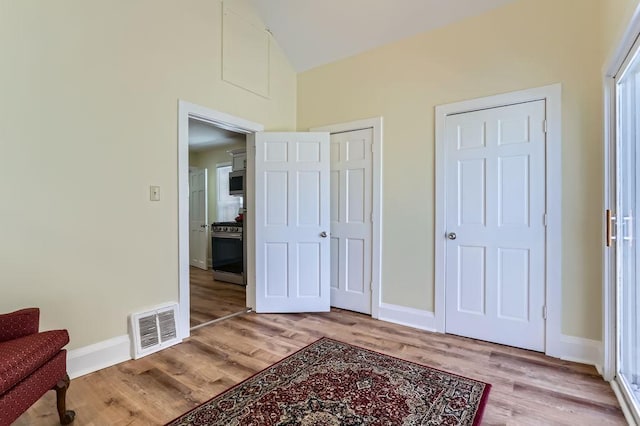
545 219
544 312
371 217
544 126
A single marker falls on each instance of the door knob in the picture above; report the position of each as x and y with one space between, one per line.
452 235
323 234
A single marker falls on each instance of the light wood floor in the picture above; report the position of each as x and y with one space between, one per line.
211 300
528 388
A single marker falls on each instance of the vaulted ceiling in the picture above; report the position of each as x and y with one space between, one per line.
316 32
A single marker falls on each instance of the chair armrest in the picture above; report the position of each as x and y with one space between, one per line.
19 323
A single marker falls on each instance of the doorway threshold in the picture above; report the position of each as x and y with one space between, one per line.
204 324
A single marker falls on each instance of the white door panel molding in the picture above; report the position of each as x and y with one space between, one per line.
292 222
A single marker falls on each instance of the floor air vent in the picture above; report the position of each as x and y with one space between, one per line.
154 330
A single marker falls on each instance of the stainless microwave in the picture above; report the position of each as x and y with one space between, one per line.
236 182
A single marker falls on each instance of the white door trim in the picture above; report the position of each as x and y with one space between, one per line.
376 124
553 245
188 110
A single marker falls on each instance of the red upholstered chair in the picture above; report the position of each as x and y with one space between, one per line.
31 363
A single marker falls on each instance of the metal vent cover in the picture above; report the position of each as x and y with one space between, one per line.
154 330
167 322
148 327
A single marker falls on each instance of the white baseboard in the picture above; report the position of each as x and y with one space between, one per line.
411 317
568 348
578 349
109 352
100 355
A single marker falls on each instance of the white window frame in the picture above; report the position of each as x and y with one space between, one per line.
614 65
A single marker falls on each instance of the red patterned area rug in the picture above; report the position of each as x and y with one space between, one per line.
334 383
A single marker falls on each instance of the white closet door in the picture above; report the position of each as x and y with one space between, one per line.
495 268
351 233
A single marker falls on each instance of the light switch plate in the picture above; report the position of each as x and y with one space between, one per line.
154 193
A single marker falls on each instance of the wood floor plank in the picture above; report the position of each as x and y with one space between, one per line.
210 299
529 388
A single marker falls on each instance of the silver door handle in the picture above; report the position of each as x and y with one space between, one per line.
323 234
452 235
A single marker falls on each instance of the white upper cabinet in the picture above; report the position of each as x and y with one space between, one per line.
239 161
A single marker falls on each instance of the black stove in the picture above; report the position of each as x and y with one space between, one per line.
227 252
233 227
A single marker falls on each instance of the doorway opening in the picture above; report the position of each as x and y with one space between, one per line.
206 141
304 154
216 272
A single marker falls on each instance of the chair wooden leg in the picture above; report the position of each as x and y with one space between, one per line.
66 416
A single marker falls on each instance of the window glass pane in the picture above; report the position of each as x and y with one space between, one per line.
628 98
228 206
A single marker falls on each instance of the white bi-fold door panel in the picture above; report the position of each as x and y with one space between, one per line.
351 232
292 222
495 207
198 235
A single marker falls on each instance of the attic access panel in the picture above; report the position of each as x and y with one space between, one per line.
245 53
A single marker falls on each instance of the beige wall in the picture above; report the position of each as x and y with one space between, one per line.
528 43
88 98
616 16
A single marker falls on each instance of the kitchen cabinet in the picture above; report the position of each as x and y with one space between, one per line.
239 161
